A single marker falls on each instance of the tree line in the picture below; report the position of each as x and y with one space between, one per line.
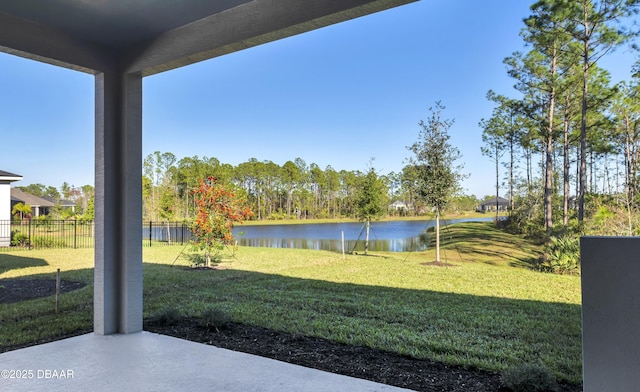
293 190
568 139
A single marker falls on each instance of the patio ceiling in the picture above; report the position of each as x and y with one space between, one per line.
150 36
120 42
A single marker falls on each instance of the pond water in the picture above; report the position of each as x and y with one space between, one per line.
392 236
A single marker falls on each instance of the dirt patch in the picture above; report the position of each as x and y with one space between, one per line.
16 290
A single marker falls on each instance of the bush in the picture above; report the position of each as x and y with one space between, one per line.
529 378
19 238
213 318
527 218
562 254
166 316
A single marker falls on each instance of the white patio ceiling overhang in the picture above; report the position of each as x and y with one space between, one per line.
120 42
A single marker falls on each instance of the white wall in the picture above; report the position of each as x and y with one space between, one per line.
5 213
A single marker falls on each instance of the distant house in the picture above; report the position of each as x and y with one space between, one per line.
6 179
490 205
399 206
39 205
66 204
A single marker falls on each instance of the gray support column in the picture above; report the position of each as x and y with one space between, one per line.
118 204
610 313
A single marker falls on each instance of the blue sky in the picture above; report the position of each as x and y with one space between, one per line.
336 96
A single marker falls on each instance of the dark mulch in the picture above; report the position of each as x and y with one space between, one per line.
355 361
16 290
362 362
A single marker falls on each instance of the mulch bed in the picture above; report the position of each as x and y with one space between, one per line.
362 362
355 361
16 290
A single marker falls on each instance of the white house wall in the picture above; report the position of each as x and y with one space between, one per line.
5 213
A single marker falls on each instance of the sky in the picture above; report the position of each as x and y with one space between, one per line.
341 96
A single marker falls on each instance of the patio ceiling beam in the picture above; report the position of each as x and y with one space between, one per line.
242 27
33 41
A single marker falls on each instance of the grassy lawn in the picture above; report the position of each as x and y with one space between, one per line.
487 309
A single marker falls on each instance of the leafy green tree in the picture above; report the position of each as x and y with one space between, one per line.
89 213
291 177
438 175
21 211
157 168
333 183
349 186
371 201
41 190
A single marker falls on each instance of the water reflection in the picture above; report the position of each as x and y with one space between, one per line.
394 236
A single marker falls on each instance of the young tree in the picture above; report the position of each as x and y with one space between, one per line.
438 176
371 201
218 209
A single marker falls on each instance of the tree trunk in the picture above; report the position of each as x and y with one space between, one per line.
437 235
583 122
548 183
497 183
566 166
511 179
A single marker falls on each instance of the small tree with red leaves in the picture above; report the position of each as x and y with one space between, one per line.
218 209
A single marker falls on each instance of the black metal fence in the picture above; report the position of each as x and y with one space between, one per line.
167 233
46 233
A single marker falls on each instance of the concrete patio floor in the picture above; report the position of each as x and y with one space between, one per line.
146 361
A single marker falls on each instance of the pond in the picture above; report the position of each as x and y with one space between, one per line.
391 236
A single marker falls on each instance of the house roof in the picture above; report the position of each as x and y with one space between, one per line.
21 196
492 201
61 202
10 177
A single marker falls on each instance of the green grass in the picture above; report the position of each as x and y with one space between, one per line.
486 310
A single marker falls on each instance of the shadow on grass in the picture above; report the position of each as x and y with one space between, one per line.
489 333
481 241
10 262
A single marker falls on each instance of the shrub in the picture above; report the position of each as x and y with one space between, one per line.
19 238
214 318
529 378
166 316
562 254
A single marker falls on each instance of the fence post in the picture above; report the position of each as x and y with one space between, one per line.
29 220
75 234
150 229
